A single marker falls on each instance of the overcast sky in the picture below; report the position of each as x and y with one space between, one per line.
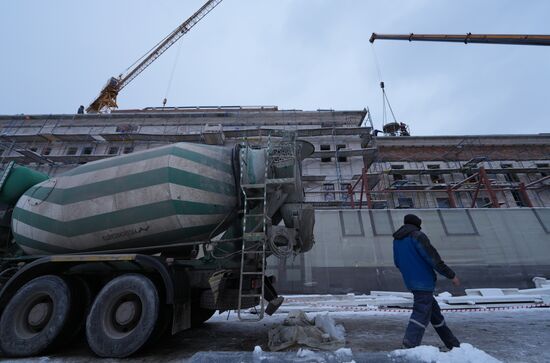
296 54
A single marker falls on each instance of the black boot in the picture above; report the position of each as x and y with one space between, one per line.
274 305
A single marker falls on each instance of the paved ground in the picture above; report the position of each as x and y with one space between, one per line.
510 335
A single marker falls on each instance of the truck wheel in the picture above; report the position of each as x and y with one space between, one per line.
35 316
122 316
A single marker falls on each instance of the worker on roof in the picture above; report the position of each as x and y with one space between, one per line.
418 260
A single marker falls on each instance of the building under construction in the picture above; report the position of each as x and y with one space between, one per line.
485 199
353 165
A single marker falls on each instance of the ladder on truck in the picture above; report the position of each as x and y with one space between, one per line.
254 239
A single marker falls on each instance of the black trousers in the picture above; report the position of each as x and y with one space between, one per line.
426 310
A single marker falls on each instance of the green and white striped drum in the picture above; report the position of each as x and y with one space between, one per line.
166 195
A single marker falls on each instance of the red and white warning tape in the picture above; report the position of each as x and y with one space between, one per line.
403 310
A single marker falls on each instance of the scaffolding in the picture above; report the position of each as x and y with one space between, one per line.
59 142
211 125
474 185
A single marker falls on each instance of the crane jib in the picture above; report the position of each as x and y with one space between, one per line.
169 41
107 96
515 39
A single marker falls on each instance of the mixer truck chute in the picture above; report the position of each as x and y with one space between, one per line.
128 247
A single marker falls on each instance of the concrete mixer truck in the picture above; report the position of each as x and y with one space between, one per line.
131 247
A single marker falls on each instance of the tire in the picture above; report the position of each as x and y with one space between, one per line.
35 317
123 316
199 314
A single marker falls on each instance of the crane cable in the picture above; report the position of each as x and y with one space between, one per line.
169 86
384 95
376 64
145 55
385 99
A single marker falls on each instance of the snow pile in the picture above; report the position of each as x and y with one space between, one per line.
344 355
258 354
298 329
465 354
344 352
306 353
326 323
258 350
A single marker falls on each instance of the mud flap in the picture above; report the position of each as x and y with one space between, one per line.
181 317
217 283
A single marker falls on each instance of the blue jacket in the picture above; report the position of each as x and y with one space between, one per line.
417 259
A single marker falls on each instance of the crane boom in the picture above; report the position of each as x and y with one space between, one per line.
109 93
519 39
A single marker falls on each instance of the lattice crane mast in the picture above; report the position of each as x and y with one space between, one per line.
107 99
519 39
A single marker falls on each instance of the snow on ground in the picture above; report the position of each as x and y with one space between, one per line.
465 354
305 353
517 335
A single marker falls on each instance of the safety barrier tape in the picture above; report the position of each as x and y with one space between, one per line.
403 310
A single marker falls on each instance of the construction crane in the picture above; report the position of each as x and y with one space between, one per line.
519 39
107 99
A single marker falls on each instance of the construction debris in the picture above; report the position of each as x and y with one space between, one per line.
474 298
320 332
539 295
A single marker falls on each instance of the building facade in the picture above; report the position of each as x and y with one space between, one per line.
489 171
350 166
353 167
56 143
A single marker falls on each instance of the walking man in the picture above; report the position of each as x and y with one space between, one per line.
417 259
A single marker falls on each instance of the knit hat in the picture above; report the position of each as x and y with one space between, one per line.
412 219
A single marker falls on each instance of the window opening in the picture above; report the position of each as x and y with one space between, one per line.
345 187
483 202
443 203
405 202
437 179
325 148
87 150
517 198
341 159
329 192
72 150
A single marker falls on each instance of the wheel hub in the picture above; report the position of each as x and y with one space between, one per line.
125 313
39 314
